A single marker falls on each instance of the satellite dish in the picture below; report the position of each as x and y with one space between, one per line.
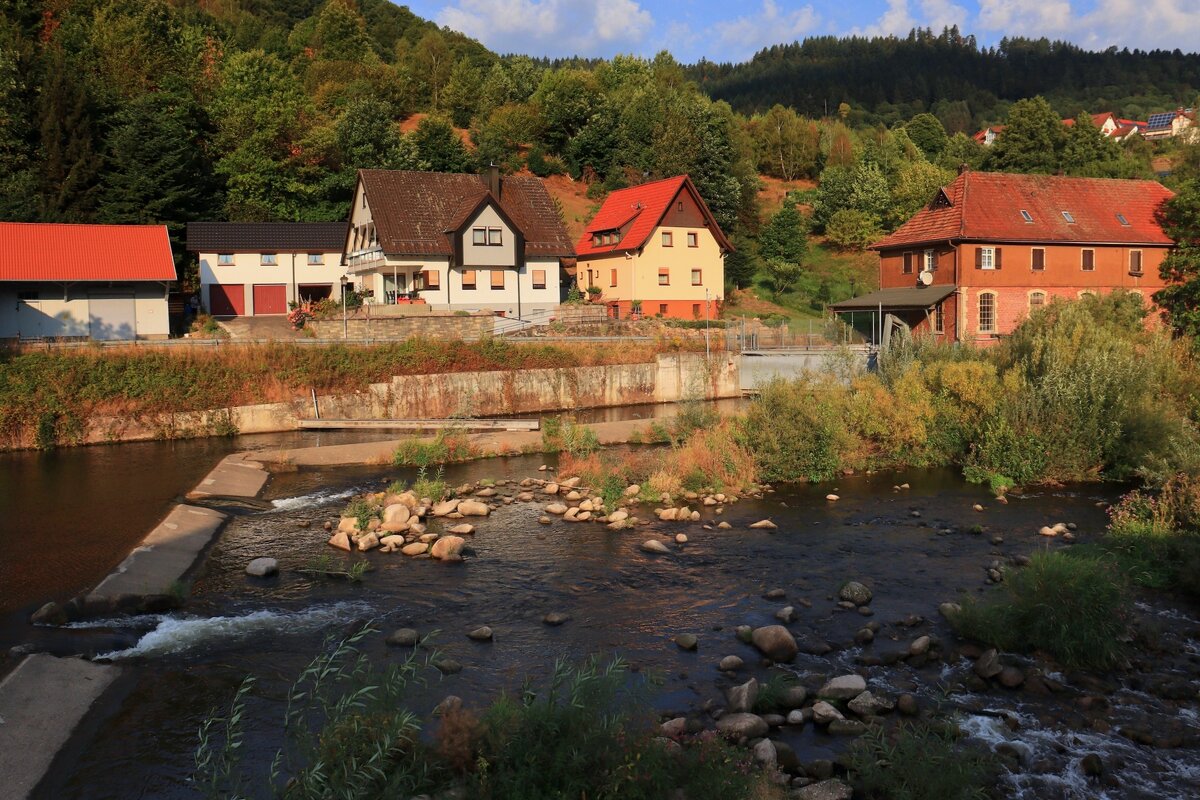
925 278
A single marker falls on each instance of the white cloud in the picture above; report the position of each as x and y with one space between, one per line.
741 37
1145 24
551 27
1033 18
940 14
896 21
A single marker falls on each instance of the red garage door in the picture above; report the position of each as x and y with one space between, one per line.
227 299
270 298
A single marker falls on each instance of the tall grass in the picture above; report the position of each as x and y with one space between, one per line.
920 762
446 447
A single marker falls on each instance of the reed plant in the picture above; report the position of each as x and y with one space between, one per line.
920 762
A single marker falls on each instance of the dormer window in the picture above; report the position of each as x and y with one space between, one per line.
1068 217
597 239
1025 215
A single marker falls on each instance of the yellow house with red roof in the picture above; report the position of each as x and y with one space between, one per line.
655 247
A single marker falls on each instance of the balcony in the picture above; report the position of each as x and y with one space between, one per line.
365 260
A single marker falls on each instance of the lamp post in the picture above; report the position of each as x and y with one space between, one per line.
345 323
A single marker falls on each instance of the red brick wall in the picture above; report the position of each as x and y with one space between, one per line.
1012 307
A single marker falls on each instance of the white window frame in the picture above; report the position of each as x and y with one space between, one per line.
225 259
316 259
987 258
479 237
495 237
979 308
268 259
927 261
1036 292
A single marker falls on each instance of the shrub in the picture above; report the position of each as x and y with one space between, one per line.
851 229
446 447
919 762
1073 607
361 510
564 435
797 430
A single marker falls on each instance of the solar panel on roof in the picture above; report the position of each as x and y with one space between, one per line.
1162 120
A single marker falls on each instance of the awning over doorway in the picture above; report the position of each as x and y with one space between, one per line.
907 297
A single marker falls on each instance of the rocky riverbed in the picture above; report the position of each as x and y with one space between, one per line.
794 637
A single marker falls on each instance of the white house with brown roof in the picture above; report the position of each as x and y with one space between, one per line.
456 241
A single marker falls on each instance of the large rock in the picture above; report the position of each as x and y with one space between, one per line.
262 567
764 754
855 592
824 713
396 514
843 687
793 697
847 727
556 508
340 540
654 546
776 642
50 614
348 524
742 725
832 789
731 663
743 697
764 524
462 529
443 508
448 547
368 542
404 637
988 665
868 705
414 549
473 508
687 641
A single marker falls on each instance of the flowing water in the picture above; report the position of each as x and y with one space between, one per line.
624 602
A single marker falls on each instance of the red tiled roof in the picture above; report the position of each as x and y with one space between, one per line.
986 206
642 207
60 252
996 129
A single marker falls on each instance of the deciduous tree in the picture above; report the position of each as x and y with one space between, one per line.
1180 299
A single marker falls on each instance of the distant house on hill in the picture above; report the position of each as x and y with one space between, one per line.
658 246
99 282
258 268
456 241
1106 122
987 137
991 247
1170 124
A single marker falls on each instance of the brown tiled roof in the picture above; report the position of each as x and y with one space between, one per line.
415 213
987 206
258 237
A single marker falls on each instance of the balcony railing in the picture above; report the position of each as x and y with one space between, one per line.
361 260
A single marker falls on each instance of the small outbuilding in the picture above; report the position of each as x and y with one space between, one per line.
102 282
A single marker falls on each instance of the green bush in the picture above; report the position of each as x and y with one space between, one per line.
564 435
1073 607
920 762
797 430
446 447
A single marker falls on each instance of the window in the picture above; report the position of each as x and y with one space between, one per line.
930 260
364 199
497 279
1036 300
908 263
1135 262
1088 260
693 240
1068 217
664 276
667 239
697 277
494 237
468 280
432 279
479 236
1121 219
695 311
539 279
1025 215
939 318
268 259
662 309
1086 293
597 239
612 279
987 313
225 259
1038 259
316 259
987 257
681 205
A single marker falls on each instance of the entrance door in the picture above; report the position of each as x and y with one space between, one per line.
227 299
112 317
270 298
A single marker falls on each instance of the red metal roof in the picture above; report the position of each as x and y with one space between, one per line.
61 252
986 206
642 207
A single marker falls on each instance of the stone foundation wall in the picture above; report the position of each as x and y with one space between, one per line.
429 325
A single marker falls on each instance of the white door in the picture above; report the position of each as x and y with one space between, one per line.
30 316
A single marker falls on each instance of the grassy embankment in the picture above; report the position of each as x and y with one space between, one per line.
47 397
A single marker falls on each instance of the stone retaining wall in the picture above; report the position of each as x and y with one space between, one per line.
466 328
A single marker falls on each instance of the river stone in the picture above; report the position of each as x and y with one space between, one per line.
444 507
742 725
989 666
368 542
573 495
556 508
949 610
448 547
843 687
723 525
866 705
731 663
414 549
764 754
919 647
654 546
555 618
833 498
847 727
864 636
824 713
907 705
793 697
473 508
855 592
743 697
50 614
262 567
687 641
618 516
340 540
447 666
571 483
393 542
668 514
744 633
1011 677
403 637
396 514
487 491
786 614
1092 765
776 642
550 488
462 530
796 717
544 520
764 524
832 789
348 524
481 634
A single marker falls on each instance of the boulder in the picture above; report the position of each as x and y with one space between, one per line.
847 727
414 549
487 491
573 495
949 610
481 634
394 542
687 641
571 483
920 646
1011 677
1046 530
764 524
764 754
988 665
832 789
403 637
462 529
550 488
775 642
786 614
555 618
741 726
407 498
50 614
731 663
340 540
632 490
620 515
396 514
448 547
668 514
796 717
368 542
793 697
868 705
444 507
262 567
348 524
556 508
855 592
743 697
824 713
674 728
843 687
473 508
654 546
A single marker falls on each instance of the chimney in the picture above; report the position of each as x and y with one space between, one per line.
963 167
493 180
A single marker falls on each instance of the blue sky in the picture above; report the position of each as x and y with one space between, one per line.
727 30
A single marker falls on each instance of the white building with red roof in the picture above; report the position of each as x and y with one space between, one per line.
655 249
62 282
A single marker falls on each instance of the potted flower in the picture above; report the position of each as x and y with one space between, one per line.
635 309
593 293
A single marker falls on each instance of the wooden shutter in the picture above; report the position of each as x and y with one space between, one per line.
1039 258
933 260
978 258
1135 261
908 257
1089 260
996 258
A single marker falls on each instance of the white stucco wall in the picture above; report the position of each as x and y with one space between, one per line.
502 255
53 315
248 270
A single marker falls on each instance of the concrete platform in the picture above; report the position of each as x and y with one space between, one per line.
234 476
41 703
166 554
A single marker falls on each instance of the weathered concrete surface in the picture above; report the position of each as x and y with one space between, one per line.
165 555
234 476
495 442
41 703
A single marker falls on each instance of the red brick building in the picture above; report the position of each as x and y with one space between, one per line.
990 247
